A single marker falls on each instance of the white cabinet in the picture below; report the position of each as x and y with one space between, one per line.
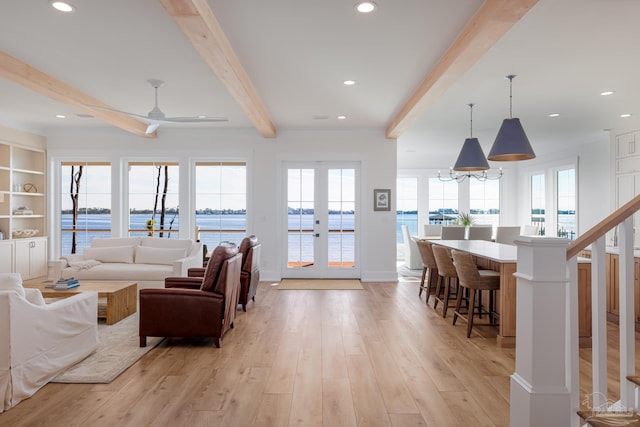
628 174
628 153
31 257
6 256
626 145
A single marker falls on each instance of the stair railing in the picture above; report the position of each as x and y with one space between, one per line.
545 386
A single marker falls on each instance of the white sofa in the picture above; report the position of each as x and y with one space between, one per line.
145 260
39 341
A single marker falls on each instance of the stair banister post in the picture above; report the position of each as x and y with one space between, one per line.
540 395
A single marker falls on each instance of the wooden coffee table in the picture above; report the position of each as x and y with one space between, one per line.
121 297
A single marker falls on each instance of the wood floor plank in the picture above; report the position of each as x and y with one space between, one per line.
368 402
396 395
273 411
337 403
407 420
242 409
465 410
306 399
429 400
283 371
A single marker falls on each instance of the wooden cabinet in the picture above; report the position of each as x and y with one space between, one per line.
613 284
31 257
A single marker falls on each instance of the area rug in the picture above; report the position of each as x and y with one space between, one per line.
118 349
319 284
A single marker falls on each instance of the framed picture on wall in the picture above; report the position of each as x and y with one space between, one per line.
381 200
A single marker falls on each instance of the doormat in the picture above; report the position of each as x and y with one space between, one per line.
320 284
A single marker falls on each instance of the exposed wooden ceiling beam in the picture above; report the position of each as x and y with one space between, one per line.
488 25
196 20
24 74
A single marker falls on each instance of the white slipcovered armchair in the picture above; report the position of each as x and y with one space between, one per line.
38 341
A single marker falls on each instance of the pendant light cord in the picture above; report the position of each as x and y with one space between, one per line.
470 120
510 77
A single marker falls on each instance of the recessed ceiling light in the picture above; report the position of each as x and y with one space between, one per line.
341 117
606 93
202 117
366 6
625 115
61 116
554 114
349 82
62 6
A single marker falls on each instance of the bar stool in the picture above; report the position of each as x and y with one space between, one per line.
430 270
446 274
475 281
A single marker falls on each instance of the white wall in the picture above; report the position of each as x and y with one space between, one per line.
376 154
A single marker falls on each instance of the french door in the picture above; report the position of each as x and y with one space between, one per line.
321 220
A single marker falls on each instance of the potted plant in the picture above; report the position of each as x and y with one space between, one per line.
465 219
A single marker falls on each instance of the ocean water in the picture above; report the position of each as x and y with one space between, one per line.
341 245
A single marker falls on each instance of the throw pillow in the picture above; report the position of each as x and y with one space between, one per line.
164 256
85 264
122 254
12 282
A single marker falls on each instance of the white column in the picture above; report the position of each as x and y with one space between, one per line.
540 395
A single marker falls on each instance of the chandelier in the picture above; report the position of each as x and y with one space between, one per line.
471 161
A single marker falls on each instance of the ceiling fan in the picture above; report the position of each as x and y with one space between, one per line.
155 117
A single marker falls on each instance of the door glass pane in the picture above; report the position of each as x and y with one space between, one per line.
300 207
537 202
566 214
341 219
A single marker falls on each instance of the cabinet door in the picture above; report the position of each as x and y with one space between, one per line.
31 258
625 145
38 258
23 258
6 256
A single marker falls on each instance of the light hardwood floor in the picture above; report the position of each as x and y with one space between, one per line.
373 357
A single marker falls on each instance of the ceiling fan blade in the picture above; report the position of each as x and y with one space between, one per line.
195 119
117 111
152 128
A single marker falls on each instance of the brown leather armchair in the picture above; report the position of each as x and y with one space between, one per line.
250 274
194 306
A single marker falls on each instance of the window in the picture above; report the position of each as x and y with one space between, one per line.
221 202
566 204
443 201
407 206
153 199
85 190
537 202
484 201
